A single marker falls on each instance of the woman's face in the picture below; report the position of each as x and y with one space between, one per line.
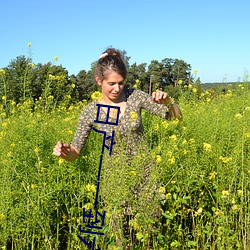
112 86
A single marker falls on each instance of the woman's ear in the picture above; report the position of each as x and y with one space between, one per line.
98 80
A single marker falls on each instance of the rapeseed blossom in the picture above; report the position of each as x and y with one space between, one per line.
194 90
198 212
91 188
207 147
133 116
29 44
96 96
173 137
158 159
168 196
235 207
225 193
164 124
238 116
212 175
180 82
162 190
225 159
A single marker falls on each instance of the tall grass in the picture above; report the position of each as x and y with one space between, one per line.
202 165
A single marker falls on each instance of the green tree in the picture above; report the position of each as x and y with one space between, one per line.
18 79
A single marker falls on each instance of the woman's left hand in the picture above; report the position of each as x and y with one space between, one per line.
161 97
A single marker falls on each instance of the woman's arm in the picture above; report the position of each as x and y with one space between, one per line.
70 152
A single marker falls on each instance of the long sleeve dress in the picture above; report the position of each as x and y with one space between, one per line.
127 181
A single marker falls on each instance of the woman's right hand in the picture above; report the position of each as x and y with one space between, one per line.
66 151
62 149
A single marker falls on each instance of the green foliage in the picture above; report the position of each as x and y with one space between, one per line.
200 165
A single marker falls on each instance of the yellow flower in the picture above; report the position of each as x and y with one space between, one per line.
225 159
56 58
225 193
239 192
191 140
50 97
198 212
61 161
235 207
184 141
168 196
171 160
133 116
207 147
180 82
158 159
2 217
164 124
37 149
190 86
29 44
238 116
133 173
2 72
13 103
135 86
218 212
194 90
4 124
175 122
212 175
156 127
96 96
162 190
3 97
73 85
88 206
51 77
195 71
247 108
33 186
137 81
247 135
173 137
91 188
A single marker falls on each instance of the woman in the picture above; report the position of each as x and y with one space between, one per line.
110 74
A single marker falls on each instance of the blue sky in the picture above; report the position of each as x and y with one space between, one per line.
212 36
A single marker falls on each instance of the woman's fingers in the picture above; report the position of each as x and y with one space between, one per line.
61 149
160 97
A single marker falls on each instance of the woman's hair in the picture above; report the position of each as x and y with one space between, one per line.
110 60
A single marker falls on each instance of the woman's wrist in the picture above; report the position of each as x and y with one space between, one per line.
169 102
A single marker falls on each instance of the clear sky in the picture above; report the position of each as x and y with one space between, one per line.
212 36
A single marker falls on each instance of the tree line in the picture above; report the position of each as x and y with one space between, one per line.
22 79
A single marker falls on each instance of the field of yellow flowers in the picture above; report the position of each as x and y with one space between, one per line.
203 163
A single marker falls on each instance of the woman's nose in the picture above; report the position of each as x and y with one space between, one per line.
116 87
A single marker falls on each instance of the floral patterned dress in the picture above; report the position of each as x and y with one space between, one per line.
128 184
129 128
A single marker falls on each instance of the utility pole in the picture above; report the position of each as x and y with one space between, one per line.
150 84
